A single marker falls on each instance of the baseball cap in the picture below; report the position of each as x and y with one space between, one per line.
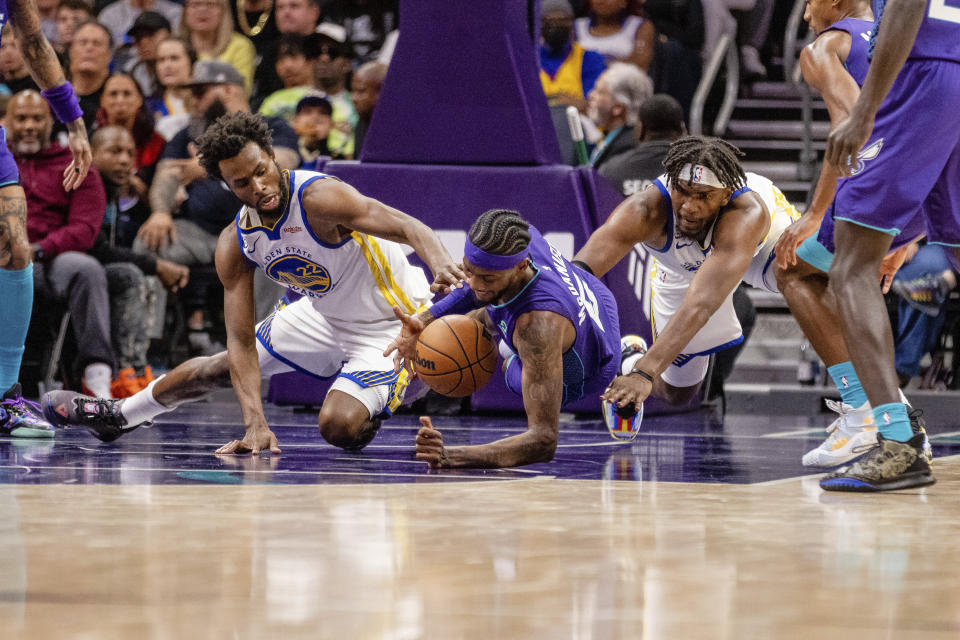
148 22
215 72
315 99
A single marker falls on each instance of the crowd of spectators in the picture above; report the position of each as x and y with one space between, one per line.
150 76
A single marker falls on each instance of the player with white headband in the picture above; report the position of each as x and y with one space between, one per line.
708 225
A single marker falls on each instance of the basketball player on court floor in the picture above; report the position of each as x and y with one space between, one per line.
559 331
907 110
19 417
708 226
835 64
336 248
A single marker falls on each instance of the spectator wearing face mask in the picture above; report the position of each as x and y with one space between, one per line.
568 72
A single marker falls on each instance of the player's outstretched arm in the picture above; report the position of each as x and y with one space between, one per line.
236 274
332 200
901 22
821 62
639 218
47 73
540 338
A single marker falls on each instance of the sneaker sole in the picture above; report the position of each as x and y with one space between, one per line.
27 432
919 479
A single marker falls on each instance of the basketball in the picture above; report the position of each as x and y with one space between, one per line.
455 356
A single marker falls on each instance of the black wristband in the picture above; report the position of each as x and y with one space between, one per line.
583 265
643 374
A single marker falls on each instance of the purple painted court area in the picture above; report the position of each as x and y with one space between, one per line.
692 447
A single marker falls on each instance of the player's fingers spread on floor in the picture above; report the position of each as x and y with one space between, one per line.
230 447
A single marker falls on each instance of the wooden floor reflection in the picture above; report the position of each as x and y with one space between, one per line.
542 558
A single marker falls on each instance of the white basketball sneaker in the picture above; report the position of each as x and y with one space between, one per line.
851 435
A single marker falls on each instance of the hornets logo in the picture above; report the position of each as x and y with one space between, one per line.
869 153
298 272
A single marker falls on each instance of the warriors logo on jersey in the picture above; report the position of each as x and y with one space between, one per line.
295 271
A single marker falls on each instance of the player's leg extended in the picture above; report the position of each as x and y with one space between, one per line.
16 283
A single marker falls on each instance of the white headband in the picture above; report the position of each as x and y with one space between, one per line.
698 174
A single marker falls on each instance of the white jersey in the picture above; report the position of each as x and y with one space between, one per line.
681 257
616 45
357 280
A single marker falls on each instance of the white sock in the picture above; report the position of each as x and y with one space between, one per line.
626 366
97 377
142 406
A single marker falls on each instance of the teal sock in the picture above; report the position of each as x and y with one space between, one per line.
17 290
845 377
893 421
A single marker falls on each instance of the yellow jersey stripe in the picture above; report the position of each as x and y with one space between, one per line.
408 306
360 239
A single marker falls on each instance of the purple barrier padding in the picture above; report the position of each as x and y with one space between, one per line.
297 388
463 87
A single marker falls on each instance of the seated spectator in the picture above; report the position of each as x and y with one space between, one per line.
148 31
334 61
366 91
119 16
313 123
186 232
61 226
90 53
923 284
296 71
208 26
70 15
175 58
677 62
660 123
14 72
616 34
614 105
294 17
749 27
567 71
123 105
137 300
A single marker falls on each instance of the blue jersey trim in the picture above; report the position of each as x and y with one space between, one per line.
669 211
739 192
892 231
291 364
306 223
684 358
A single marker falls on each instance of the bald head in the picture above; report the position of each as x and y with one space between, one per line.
29 123
367 81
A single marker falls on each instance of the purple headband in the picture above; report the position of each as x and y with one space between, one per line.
480 258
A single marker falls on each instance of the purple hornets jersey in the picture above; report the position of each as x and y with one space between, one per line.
939 35
558 286
858 60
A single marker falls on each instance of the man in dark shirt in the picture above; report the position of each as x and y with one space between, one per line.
660 123
186 231
13 69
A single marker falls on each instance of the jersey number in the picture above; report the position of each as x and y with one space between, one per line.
588 301
940 11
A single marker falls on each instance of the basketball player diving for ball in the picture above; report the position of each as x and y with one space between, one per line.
338 250
559 331
708 226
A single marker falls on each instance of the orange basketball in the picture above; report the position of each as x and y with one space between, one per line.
455 356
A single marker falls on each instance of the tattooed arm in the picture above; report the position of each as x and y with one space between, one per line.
541 337
46 71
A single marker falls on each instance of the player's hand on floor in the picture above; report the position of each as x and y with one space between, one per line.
405 344
626 389
447 277
430 445
254 441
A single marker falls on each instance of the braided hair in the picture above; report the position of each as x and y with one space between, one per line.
227 137
501 232
718 155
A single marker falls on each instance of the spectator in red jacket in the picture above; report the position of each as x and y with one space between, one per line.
61 226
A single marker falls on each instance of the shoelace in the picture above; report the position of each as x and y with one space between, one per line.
837 407
24 404
104 411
